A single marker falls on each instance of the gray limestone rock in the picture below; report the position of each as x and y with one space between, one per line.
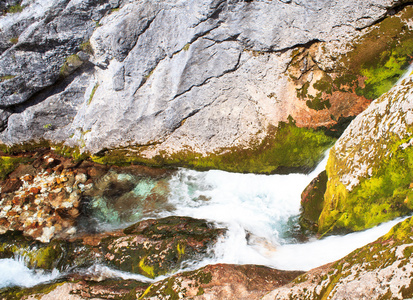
163 70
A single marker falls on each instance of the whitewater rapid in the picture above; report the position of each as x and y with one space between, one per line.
259 212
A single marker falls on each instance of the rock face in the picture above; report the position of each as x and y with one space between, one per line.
150 247
148 75
369 168
379 270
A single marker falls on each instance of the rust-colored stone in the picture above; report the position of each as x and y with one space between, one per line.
34 190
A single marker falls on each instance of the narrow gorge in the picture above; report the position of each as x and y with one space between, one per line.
206 149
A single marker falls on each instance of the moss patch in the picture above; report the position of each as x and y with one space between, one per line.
92 93
71 64
9 163
287 148
382 55
385 195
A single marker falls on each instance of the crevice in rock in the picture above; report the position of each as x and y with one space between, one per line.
215 10
390 12
139 34
306 45
58 87
237 65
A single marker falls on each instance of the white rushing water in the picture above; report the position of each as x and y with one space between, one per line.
259 211
14 272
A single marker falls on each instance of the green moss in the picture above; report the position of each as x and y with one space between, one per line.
324 85
6 77
146 269
71 63
382 197
303 91
14 40
93 93
17 293
15 8
9 163
186 47
73 152
86 47
382 55
318 103
287 148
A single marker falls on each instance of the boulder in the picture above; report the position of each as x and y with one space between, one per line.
220 281
369 169
156 247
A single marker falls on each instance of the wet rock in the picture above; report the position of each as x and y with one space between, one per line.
124 195
312 200
157 247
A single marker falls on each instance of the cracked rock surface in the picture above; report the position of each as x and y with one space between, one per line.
171 75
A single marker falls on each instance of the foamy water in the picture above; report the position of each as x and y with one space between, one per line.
259 212
14 272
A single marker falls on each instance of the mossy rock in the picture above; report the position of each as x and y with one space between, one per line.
58 254
84 288
287 148
370 169
246 282
158 247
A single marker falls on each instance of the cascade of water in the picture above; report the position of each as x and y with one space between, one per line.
256 210
14 272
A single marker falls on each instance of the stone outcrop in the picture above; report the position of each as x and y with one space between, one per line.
144 77
379 270
150 247
369 169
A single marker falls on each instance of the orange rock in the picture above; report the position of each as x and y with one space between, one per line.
34 190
